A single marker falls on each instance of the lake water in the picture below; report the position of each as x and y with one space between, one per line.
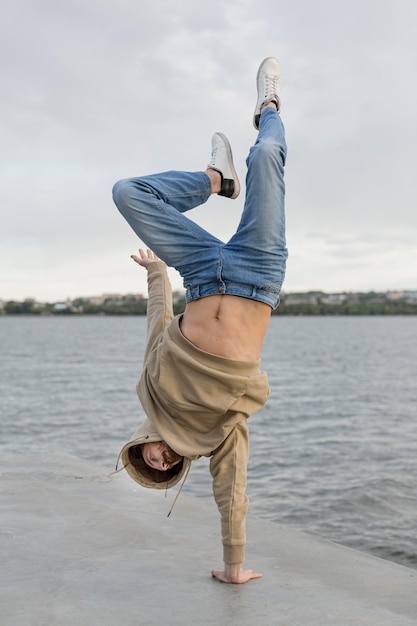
333 452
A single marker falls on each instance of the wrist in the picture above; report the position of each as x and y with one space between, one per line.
232 570
156 266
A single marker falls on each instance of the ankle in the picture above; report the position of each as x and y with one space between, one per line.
271 104
215 179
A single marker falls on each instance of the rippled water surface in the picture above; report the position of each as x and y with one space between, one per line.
333 452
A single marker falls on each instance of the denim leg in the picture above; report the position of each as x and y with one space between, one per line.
154 206
252 264
257 251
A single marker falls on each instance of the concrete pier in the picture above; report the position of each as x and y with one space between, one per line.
80 548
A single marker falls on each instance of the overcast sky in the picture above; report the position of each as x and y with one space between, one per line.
97 90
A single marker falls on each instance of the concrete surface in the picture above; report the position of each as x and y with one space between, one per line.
81 548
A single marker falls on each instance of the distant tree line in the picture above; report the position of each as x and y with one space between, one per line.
356 303
82 306
317 303
348 308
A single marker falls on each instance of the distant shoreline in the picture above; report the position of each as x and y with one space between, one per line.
307 303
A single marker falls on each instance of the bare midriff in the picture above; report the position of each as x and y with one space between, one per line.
228 326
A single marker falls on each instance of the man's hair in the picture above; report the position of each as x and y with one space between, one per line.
170 456
158 476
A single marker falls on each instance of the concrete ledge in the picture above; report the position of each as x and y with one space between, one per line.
79 548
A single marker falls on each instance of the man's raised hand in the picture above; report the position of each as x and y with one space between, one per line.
145 258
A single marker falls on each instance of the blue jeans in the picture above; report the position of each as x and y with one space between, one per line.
252 263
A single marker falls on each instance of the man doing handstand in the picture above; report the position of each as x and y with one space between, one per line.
201 376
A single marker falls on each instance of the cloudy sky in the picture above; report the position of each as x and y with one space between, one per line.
97 90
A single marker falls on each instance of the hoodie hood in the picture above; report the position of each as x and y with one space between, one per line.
142 473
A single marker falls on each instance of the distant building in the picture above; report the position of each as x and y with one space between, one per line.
63 306
177 296
300 298
395 295
334 298
410 297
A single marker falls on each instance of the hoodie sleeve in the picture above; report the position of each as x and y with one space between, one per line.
228 467
159 309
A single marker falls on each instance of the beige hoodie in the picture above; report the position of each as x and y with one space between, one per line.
199 403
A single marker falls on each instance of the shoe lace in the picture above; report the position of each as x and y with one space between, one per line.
213 157
271 86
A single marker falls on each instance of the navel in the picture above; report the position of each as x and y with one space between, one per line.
217 313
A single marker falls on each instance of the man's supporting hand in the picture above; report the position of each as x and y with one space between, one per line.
233 573
144 258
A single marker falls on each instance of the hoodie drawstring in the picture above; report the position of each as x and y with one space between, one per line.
187 471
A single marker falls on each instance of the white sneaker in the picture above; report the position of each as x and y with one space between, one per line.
222 162
268 82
